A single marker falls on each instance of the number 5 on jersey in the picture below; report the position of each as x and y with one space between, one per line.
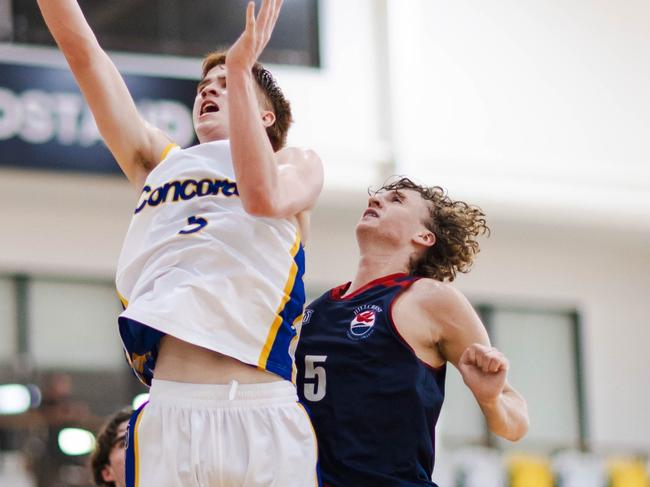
315 391
194 224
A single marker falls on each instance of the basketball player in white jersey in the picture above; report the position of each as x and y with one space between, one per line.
211 269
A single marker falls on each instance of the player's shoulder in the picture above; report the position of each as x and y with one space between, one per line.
298 155
436 296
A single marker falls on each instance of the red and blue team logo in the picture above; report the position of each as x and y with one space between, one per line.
306 316
363 322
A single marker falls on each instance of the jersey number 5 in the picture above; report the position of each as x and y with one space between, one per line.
315 391
194 224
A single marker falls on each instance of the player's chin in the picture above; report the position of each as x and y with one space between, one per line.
366 227
208 130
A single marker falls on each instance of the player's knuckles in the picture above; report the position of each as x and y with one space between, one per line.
479 359
487 364
464 358
479 348
470 355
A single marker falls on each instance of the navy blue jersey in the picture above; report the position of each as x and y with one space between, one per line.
373 403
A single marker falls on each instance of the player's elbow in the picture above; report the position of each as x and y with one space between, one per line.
516 431
523 429
80 53
262 206
516 435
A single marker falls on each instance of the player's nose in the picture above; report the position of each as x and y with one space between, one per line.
209 90
374 202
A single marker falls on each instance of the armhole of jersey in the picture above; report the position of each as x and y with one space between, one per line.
397 333
171 146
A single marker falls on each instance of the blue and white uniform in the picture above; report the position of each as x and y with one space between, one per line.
195 265
374 404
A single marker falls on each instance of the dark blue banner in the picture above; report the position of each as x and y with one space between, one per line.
46 124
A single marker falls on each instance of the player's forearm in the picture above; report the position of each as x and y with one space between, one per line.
507 416
68 26
130 141
253 157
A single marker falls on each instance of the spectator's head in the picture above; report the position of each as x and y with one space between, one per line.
107 461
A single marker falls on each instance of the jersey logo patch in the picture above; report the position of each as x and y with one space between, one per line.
362 325
306 317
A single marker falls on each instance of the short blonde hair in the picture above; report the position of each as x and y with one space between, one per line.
273 95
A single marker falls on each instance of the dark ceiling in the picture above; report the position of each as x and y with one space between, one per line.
182 27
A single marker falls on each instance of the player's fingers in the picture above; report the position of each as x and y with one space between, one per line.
498 362
479 358
269 23
468 356
250 16
484 357
492 365
264 15
482 348
276 12
504 364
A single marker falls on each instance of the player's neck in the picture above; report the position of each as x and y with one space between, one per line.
211 137
377 264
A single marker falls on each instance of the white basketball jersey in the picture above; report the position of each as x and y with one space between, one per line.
196 266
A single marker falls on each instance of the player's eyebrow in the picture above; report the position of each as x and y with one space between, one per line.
121 438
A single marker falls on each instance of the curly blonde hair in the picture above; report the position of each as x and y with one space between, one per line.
455 224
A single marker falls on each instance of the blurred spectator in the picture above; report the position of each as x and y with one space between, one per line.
579 469
107 461
530 471
627 472
58 410
479 467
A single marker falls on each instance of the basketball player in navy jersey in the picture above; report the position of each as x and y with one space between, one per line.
210 273
373 352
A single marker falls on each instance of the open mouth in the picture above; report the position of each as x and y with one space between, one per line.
209 107
371 213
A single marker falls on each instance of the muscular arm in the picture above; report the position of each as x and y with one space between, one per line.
134 143
270 184
464 342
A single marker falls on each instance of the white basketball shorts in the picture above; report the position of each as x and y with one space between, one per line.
237 435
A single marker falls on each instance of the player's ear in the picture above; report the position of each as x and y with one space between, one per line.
425 238
268 118
107 474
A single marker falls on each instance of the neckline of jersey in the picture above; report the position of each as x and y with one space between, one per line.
337 292
177 149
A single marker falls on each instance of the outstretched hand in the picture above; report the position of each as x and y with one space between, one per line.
244 52
484 371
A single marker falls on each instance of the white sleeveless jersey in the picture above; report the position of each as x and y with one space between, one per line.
196 266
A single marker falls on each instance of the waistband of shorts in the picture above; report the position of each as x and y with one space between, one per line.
233 395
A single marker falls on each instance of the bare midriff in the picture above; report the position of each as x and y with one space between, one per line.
180 361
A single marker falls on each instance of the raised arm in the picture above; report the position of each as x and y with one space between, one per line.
270 184
135 144
464 342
